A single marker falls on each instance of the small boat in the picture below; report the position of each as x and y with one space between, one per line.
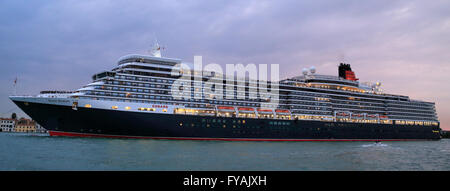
246 110
285 111
225 108
265 111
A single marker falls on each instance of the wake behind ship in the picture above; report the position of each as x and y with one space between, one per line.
134 100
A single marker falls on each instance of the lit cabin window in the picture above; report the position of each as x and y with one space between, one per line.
88 105
114 107
164 110
150 109
127 108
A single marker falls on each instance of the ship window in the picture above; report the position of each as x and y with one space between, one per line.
164 110
114 107
88 106
127 108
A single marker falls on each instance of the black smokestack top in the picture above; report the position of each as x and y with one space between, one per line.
342 68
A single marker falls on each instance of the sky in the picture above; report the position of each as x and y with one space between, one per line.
59 45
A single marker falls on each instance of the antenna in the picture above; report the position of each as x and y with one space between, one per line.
15 86
156 50
341 57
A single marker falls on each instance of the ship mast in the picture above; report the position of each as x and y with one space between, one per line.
156 50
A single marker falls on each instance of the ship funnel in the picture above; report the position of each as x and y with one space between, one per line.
345 71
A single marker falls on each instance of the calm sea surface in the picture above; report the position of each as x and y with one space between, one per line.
38 152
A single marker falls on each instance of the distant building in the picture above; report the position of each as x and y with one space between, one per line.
22 125
40 129
25 126
7 124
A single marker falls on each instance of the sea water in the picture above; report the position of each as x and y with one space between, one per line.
19 151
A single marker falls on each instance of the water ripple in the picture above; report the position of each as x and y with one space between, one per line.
37 152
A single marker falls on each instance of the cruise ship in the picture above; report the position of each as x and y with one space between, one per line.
135 99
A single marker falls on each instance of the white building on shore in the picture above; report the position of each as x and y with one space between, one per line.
7 124
40 129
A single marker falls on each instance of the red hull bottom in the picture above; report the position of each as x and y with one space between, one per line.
71 134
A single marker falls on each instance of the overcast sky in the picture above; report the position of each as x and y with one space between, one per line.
59 45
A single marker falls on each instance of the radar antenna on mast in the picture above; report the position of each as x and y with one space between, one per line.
156 50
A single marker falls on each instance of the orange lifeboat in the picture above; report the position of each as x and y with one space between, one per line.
282 111
264 110
225 108
246 109
342 114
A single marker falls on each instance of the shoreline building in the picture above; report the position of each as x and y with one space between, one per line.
40 129
22 125
7 124
25 126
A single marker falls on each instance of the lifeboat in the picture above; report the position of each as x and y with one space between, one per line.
282 111
357 115
246 110
371 116
225 108
343 114
265 111
383 117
